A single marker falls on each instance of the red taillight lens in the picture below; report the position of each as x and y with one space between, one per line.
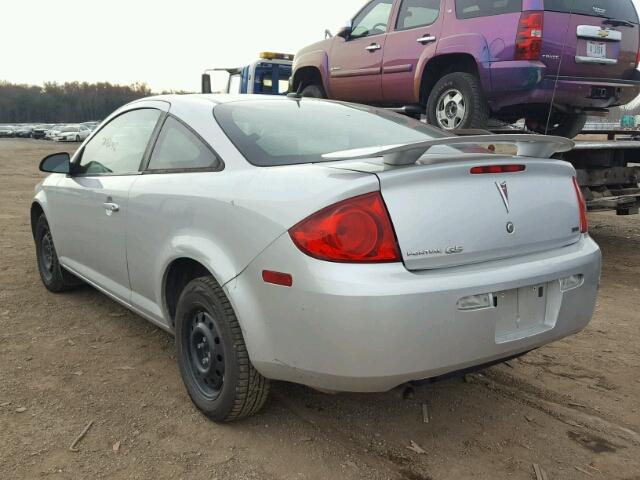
638 59
584 221
356 230
498 169
529 37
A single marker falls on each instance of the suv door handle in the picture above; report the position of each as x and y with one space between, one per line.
374 47
111 207
426 39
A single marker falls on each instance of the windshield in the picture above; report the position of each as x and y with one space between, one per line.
69 129
287 132
614 9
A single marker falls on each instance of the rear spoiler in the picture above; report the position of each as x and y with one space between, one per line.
537 146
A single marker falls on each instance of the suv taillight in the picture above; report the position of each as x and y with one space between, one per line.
357 230
529 38
584 221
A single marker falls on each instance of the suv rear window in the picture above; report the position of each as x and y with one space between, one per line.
614 9
286 132
486 8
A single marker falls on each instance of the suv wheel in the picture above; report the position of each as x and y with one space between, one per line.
313 91
212 355
457 102
53 276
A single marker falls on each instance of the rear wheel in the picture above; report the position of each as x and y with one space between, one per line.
212 355
53 276
77 138
313 91
457 102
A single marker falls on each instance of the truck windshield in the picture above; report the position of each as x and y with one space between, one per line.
287 132
613 9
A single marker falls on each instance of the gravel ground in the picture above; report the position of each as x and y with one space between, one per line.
66 360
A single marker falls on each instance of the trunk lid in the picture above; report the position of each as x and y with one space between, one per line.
445 216
601 41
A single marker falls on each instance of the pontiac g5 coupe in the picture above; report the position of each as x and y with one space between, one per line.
552 62
333 245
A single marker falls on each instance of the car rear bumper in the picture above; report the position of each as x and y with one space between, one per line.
372 327
522 83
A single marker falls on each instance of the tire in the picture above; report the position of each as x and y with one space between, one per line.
77 138
313 91
562 124
221 381
55 278
443 106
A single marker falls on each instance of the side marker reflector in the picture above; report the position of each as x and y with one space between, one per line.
277 278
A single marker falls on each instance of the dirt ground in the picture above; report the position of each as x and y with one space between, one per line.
65 360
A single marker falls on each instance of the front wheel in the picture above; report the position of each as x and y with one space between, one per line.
313 91
54 277
212 354
457 102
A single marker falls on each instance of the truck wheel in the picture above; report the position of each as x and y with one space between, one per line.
313 91
212 355
562 124
54 277
457 102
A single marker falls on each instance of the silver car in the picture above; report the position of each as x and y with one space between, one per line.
333 245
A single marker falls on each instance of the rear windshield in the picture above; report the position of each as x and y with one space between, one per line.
486 8
287 132
613 9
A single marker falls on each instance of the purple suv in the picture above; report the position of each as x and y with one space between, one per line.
466 60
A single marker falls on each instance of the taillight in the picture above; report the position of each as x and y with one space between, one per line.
498 169
529 37
356 230
584 221
638 59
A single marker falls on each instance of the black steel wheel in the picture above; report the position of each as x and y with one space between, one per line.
212 355
53 276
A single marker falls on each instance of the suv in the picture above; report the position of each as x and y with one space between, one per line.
465 60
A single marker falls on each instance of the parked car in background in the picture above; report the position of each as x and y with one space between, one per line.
7 131
24 131
462 61
71 133
91 125
40 131
260 237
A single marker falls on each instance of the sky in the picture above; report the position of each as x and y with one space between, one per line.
166 44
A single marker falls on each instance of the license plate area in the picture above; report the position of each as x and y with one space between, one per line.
596 49
521 313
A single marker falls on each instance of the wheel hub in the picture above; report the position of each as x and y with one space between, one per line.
206 353
451 109
47 252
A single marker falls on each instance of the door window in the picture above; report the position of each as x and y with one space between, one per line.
417 13
372 20
178 148
118 148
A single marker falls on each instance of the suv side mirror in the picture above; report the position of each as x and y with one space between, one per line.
56 163
345 31
206 83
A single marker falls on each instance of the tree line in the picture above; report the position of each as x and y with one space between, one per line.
64 103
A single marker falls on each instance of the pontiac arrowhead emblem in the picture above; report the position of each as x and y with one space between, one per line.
504 193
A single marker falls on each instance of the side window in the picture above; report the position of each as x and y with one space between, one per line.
118 148
178 148
486 8
417 13
373 20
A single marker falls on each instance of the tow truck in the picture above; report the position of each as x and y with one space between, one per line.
269 75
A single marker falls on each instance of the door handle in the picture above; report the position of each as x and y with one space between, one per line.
374 47
426 39
111 208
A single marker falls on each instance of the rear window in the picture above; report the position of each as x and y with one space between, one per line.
486 8
287 132
614 9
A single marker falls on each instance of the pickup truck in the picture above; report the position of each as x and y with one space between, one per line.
551 62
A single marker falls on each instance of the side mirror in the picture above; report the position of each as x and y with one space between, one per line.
206 83
56 163
345 31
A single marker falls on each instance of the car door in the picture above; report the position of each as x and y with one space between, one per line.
408 47
355 61
89 207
